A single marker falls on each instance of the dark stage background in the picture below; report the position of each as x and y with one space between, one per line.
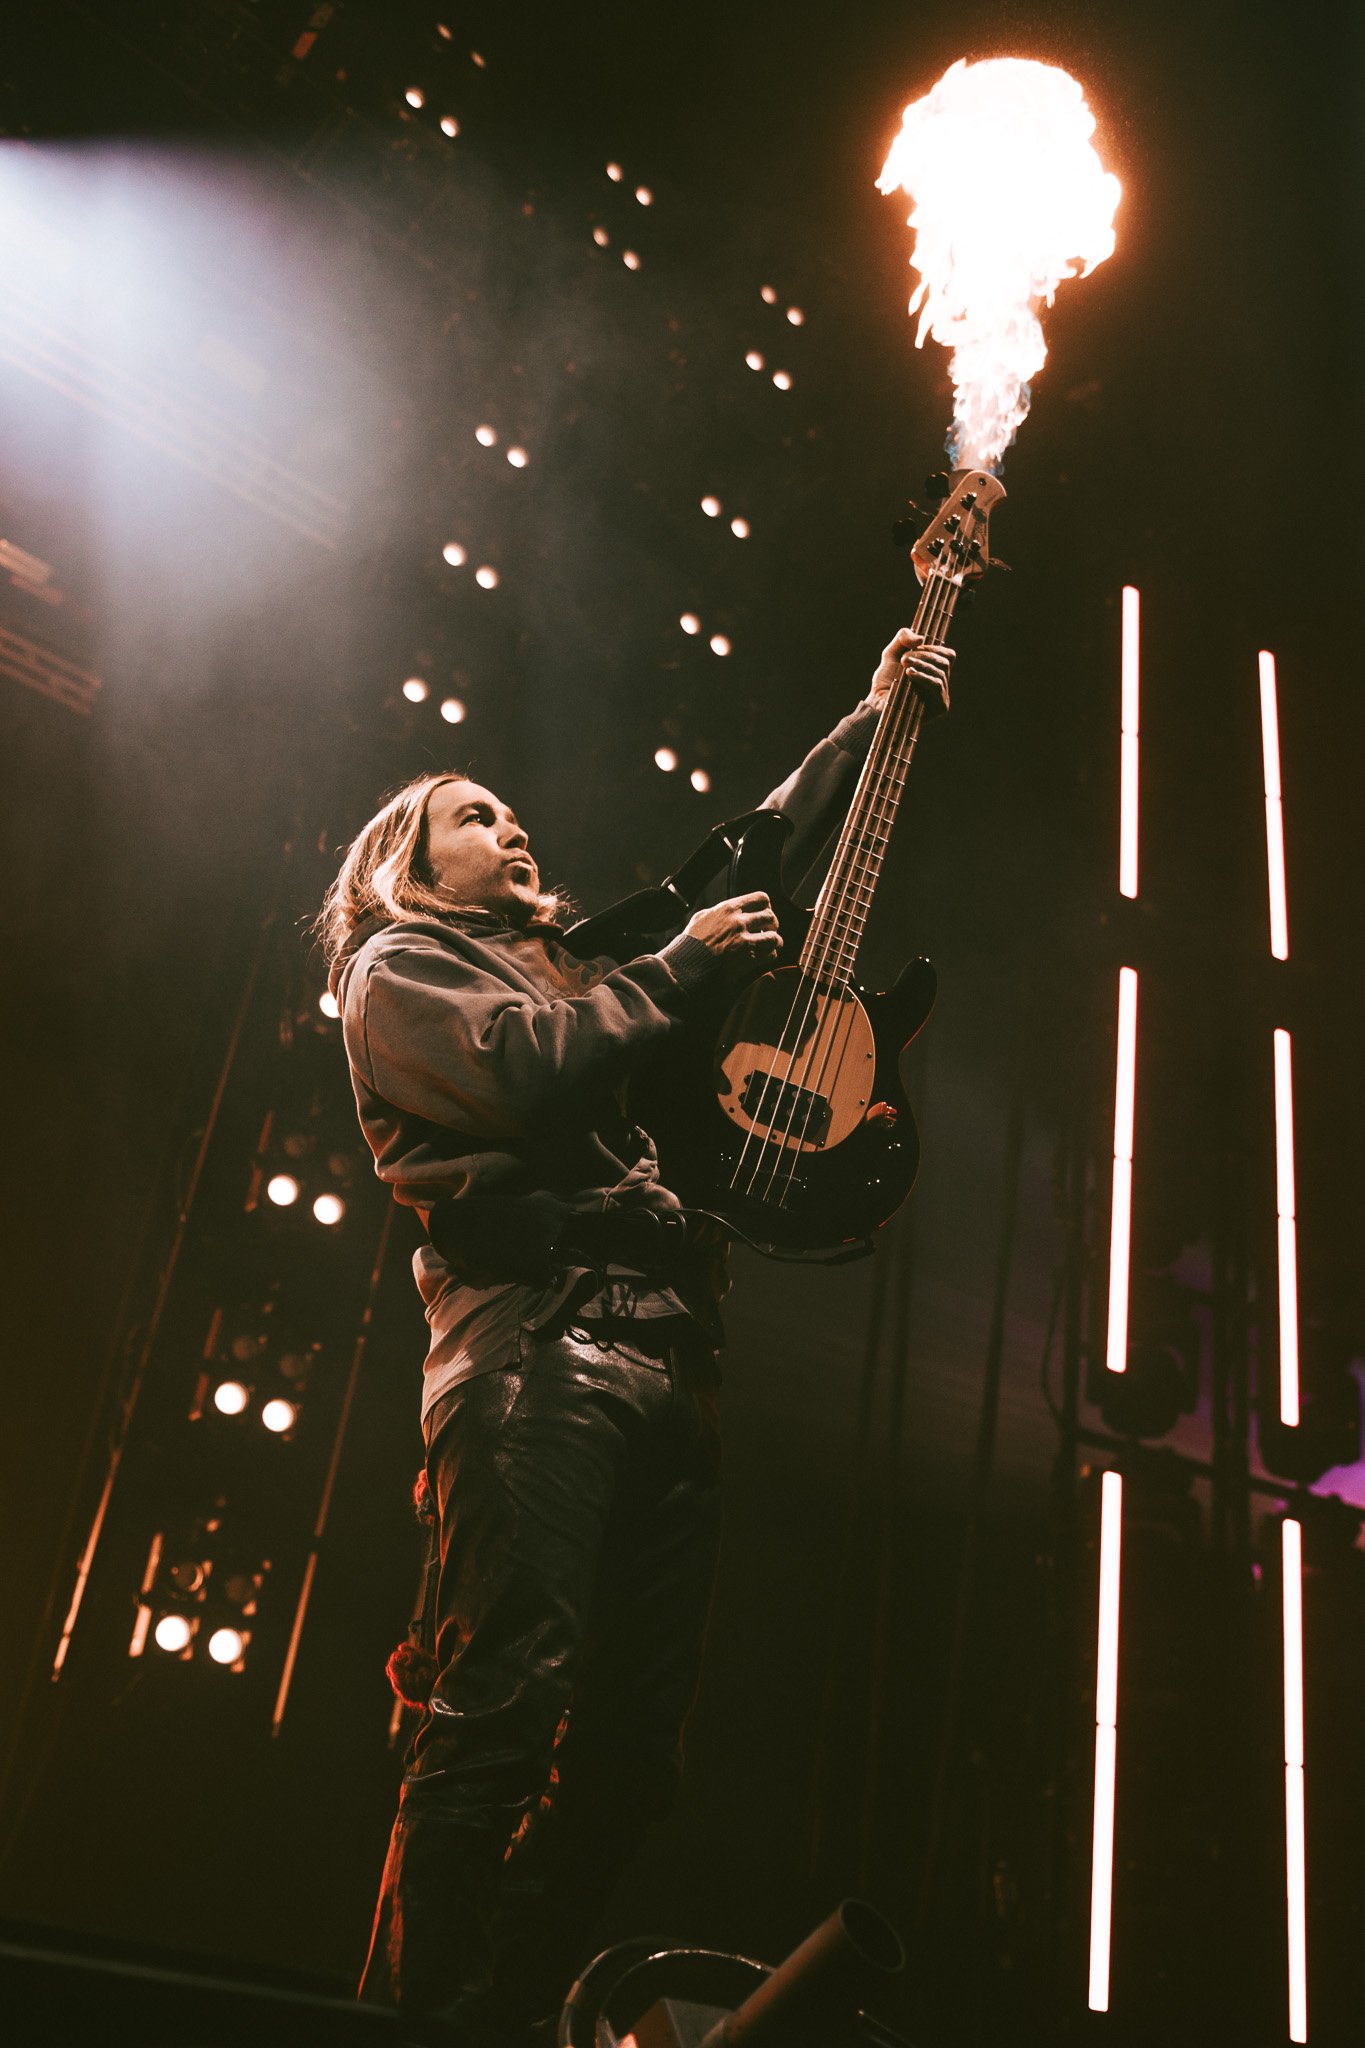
255 307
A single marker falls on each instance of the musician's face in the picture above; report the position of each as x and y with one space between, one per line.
477 850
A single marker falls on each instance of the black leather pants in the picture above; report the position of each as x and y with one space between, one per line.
578 1497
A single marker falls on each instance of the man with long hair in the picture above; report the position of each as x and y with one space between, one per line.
571 1389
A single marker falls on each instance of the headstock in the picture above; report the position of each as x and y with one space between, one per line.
955 540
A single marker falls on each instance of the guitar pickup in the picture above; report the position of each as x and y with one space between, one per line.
793 1112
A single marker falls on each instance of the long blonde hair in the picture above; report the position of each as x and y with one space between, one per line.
384 873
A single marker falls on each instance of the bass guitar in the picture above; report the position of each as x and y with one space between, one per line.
783 1115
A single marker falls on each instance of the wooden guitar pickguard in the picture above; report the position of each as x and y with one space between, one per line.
794 1066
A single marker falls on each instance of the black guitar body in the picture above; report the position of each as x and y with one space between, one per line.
781 1111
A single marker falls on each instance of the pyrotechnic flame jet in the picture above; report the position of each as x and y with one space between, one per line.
1010 198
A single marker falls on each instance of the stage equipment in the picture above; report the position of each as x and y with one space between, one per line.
1159 1379
784 1116
640 1996
1295 1862
1106 1737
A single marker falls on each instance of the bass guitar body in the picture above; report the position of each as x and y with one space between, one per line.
783 1112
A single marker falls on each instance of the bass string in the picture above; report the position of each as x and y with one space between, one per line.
771 1092
855 868
892 783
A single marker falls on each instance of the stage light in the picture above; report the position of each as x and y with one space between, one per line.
487 437
1106 1738
719 644
172 1633
452 710
446 34
796 316
644 195
329 1209
282 1189
329 1005
453 553
711 506
517 457
278 1416
1128 748
415 96
1286 1232
754 359
630 259
486 578
782 379
740 528
1274 807
614 173
1121 1210
601 237
1295 1860
230 1397
226 1645
449 125
477 57
665 758
768 295
700 780
415 690
690 623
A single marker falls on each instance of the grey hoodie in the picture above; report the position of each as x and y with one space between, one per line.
487 1061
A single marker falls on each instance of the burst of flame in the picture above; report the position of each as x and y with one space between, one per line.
1010 198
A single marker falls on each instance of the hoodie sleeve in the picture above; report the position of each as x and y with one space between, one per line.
816 796
443 1037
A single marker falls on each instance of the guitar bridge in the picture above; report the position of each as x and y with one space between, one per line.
801 1113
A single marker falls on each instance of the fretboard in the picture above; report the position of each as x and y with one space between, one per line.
841 909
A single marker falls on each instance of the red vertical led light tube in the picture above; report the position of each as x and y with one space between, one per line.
1295 1857
1128 748
1274 808
1106 1739
1286 1232
1121 1208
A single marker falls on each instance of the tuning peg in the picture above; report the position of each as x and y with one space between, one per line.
906 530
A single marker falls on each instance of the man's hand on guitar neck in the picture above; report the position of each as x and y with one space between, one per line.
930 666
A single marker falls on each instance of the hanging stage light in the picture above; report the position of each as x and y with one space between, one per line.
282 1189
228 1645
230 1397
329 1006
279 1415
173 1634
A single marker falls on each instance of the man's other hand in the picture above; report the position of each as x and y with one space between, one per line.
930 666
741 925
